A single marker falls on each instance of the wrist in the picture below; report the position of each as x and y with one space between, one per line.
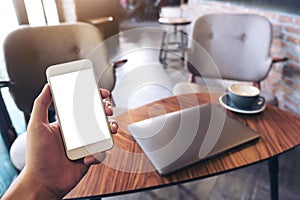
26 187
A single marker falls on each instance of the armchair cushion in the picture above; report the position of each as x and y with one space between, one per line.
17 151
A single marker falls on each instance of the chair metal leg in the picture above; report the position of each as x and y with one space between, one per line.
169 42
273 172
7 130
162 53
182 45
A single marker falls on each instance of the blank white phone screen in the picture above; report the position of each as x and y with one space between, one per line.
79 108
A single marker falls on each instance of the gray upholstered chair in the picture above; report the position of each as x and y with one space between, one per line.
30 50
231 47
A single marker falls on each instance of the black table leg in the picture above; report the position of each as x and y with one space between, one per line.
273 171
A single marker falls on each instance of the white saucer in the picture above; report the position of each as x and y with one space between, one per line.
258 107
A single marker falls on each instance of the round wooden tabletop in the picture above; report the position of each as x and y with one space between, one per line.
127 169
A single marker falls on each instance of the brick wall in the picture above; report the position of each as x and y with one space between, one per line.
284 78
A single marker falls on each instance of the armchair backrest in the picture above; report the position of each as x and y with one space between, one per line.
238 44
30 50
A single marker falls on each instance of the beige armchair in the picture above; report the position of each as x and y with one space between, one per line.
231 47
30 50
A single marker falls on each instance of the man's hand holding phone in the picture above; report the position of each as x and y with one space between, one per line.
48 173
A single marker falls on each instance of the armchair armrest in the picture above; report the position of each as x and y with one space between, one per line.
100 20
118 63
277 59
5 83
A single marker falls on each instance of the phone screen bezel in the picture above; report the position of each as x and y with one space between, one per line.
93 148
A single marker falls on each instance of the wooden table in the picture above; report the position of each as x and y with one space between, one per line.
126 168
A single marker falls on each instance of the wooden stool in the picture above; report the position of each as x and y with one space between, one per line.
173 41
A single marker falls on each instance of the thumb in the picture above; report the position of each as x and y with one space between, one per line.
41 105
94 159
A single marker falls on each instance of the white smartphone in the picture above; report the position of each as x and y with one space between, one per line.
78 104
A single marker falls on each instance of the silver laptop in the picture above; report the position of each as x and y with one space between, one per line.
178 139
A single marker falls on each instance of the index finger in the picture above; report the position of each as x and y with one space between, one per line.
104 93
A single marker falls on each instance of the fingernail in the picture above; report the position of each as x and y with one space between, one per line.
114 124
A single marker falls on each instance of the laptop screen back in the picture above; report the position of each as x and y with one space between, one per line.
178 139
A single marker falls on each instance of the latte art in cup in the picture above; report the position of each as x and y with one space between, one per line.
243 96
244 90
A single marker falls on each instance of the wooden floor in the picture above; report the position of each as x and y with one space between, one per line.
250 183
